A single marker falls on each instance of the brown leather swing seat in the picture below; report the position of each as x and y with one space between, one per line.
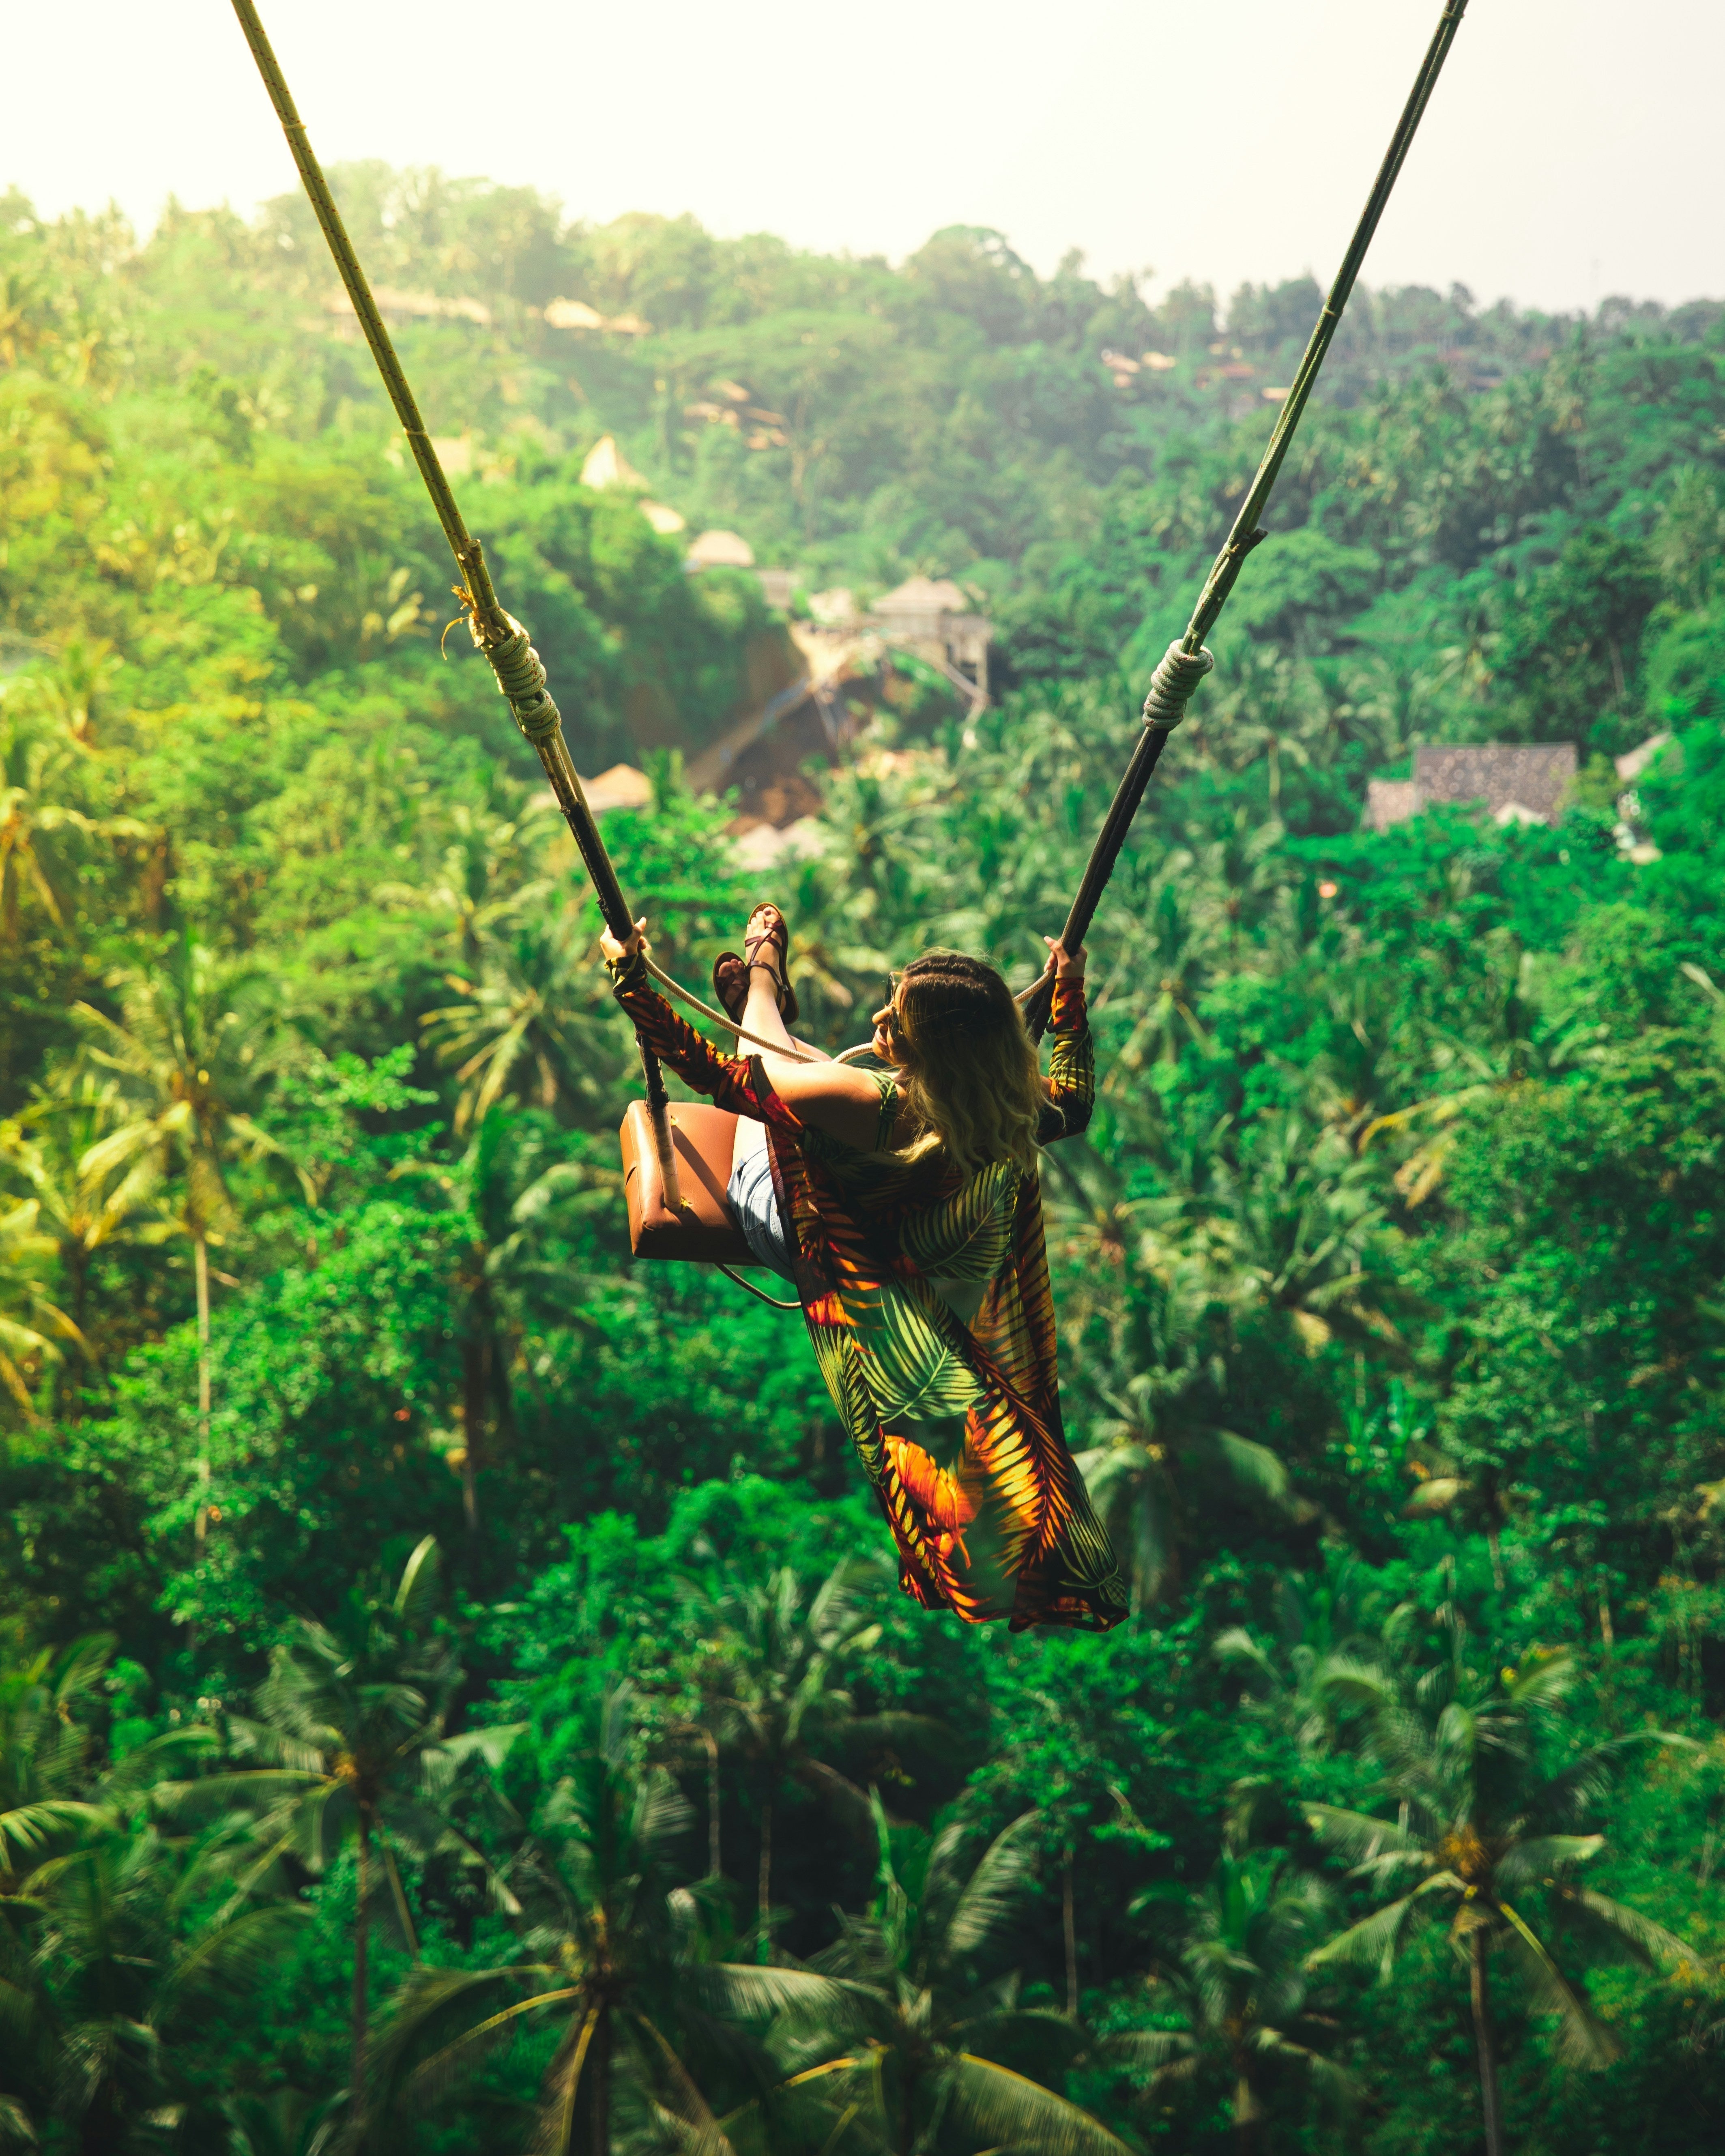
704 1137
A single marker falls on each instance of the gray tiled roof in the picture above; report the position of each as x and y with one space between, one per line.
1512 781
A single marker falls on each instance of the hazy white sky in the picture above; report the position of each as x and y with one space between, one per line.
1572 149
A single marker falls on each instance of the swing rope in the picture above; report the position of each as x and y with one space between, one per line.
521 678
1186 661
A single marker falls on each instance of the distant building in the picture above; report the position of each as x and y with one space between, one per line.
933 619
402 309
1513 782
730 550
1389 801
621 786
720 550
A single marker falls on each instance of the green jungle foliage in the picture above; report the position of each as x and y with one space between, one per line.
454 1695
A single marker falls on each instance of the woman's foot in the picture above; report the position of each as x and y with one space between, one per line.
766 949
731 985
766 944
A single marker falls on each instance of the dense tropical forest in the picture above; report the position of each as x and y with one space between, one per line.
453 1693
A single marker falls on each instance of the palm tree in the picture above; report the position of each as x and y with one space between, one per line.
1159 1439
31 1325
35 764
1161 947
127 1976
177 1049
1487 1835
516 1031
1300 1219
498 1256
1232 1968
352 1722
45 1753
83 1209
921 2049
1319 1623
98 1966
486 877
774 1690
613 1959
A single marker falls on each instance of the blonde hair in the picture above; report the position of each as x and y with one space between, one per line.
967 1066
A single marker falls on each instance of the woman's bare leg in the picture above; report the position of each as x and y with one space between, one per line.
761 1016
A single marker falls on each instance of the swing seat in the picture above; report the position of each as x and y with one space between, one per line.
704 1137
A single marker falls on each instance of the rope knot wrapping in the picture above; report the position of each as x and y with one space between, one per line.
1172 684
521 679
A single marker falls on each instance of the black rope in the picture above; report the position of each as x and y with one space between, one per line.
760 1291
1165 693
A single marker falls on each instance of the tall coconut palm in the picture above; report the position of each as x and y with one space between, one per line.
1486 1834
1162 949
612 1958
177 1050
772 1680
499 1260
351 1727
1301 1221
1232 1966
923 2053
83 1209
130 1972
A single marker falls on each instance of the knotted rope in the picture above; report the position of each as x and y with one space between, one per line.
521 680
1172 684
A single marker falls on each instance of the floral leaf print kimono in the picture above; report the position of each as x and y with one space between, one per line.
929 1312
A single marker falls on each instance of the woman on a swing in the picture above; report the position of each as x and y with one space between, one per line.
904 1205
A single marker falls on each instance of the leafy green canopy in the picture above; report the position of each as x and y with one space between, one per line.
1388 1273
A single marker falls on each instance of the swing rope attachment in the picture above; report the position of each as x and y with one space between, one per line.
521 680
1172 684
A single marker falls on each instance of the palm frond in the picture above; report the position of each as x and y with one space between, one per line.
1161 2050
1538 1856
32 1830
1253 1465
1376 1940
988 1897
1001 2109
1580 2038
435 2008
799 1998
233 1951
1639 1937
1358 1836
418 1582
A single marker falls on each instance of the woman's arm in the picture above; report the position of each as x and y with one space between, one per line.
834 1097
1071 1083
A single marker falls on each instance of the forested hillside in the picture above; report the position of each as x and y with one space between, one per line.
452 1687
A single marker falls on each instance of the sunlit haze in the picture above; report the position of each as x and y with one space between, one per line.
1566 156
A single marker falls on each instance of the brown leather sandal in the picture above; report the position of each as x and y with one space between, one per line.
730 973
730 984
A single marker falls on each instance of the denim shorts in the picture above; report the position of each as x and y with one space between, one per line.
750 1191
